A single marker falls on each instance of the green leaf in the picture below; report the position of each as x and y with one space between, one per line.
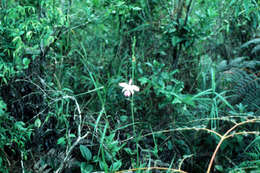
16 39
29 35
49 40
37 123
163 53
165 76
72 135
26 62
123 118
176 40
224 100
129 151
85 168
176 100
116 166
254 41
143 80
219 168
61 141
188 100
103 165
169 145
19 125
86 153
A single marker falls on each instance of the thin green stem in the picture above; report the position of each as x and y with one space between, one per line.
132 100
132 114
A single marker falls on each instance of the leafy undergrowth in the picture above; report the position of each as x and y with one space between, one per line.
126 86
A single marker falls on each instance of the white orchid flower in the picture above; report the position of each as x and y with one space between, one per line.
128 88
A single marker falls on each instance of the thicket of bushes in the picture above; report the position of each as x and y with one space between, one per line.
194 101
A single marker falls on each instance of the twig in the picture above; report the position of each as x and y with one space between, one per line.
69 151
151 168
182 160
177 129
22 162
224 137
79 138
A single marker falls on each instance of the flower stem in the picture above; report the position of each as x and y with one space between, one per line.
132 101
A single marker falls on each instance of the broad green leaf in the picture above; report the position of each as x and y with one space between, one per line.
143 80
116 166
85 168
29 35
61 141
19 125
86 153
26 62
188 100
219 168
37 123
103 165
123 118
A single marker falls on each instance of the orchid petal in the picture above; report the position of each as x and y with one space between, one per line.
128 88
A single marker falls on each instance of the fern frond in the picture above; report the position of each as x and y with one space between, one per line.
239 62
256 49
246 87
256 141
254 41
253 149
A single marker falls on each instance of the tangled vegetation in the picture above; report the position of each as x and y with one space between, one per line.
129 86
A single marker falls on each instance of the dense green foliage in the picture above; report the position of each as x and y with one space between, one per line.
193 104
